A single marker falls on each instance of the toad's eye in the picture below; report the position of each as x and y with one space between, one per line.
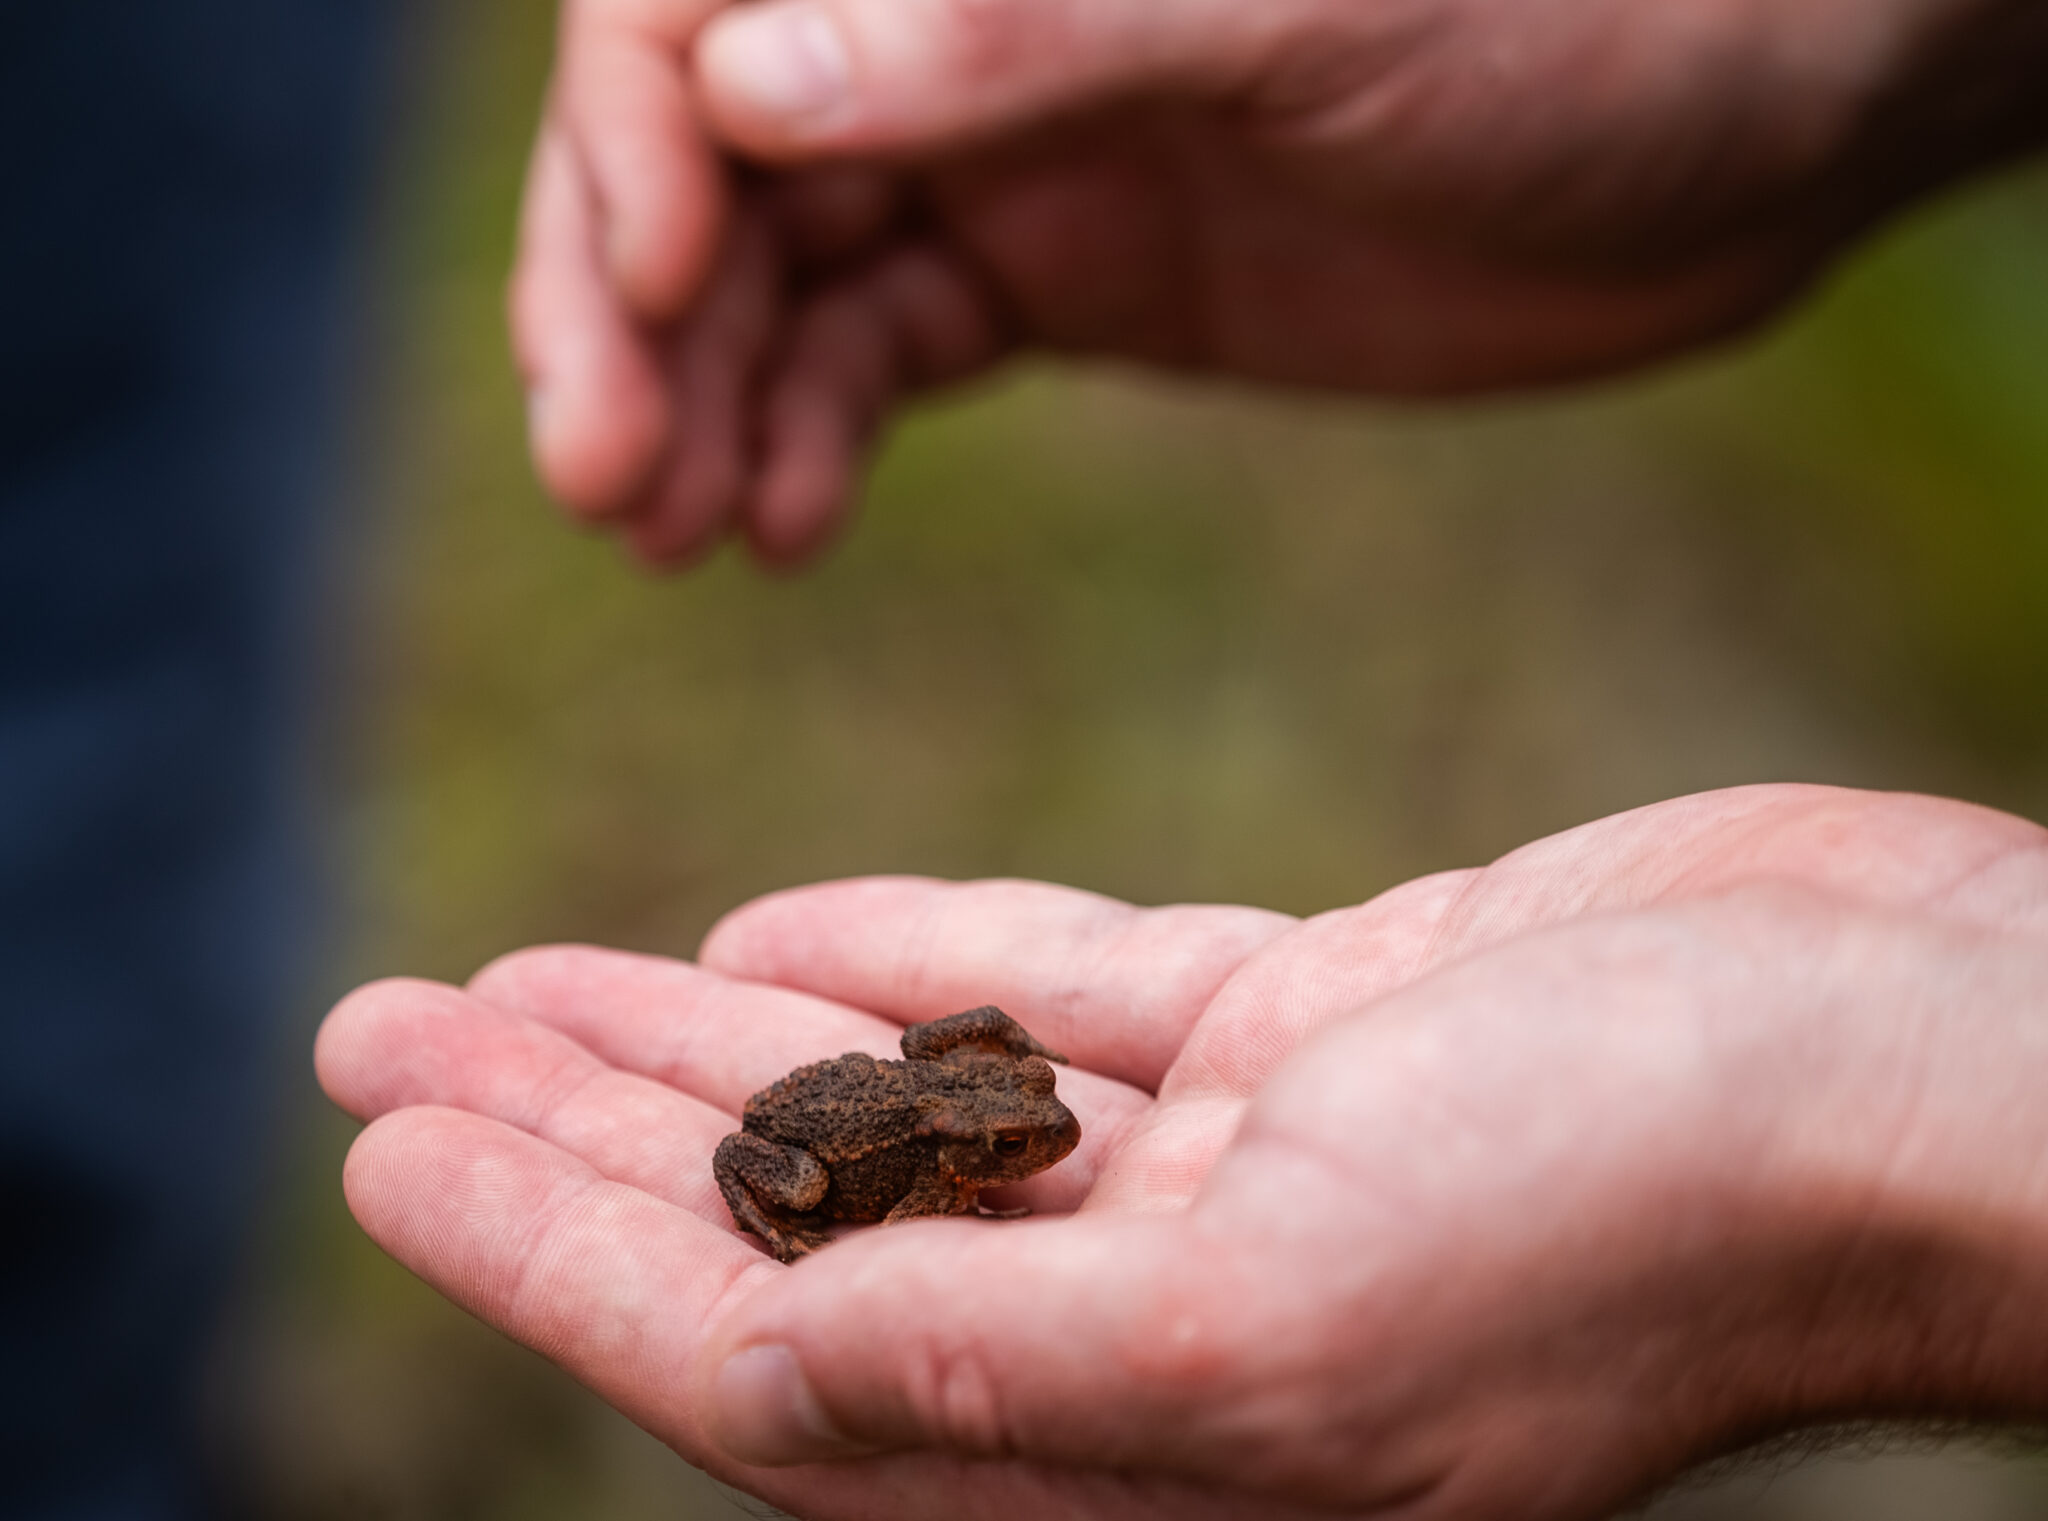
1010 1145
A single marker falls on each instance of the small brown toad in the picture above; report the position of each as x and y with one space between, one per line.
858 1139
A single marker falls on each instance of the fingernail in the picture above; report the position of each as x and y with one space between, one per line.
784 60
763 1412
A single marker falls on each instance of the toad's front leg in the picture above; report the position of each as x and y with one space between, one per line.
771 1191
934 1194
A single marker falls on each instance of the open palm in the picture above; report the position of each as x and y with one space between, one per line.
1459 1188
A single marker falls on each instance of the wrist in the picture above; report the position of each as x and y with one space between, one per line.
1912 1212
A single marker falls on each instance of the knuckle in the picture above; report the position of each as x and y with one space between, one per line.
956 1399
1180 1342
978 40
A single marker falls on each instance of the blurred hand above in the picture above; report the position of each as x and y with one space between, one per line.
1412 198
1654 1137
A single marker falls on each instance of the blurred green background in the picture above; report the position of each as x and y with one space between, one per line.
1162 640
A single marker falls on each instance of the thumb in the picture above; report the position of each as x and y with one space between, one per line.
786 78
1112 1342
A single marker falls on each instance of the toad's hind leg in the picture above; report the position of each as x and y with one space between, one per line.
986 1031
771 1190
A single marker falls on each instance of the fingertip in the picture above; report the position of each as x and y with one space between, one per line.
335 1041
358 1167
804 496
779 551
597 427
378 1160
776 77
345 1046
426 1183
656 256
659 550
698 493
597 418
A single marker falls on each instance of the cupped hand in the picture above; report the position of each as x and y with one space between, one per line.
1508 1192
1411 198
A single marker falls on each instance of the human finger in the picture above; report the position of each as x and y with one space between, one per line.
722 1039
622 93
597 408
402 1042
611 1284
819 408
1143 1351
713 357
1113 986
912 318
606 1280
621 1290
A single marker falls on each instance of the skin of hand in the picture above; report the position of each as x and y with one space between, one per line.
1415 197
1510 1192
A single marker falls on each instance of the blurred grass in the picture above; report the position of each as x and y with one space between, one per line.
1165 641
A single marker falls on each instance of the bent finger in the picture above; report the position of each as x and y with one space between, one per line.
621 1291
597 413
713 358
910 319
611 1284
622 93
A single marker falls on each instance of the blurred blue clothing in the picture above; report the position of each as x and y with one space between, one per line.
178 183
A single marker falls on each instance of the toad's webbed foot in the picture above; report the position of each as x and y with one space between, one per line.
771 1190
986 1031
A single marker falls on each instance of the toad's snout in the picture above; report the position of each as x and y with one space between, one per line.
1065 1134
